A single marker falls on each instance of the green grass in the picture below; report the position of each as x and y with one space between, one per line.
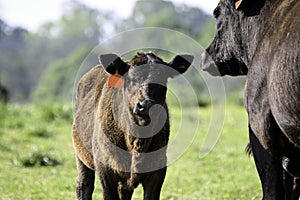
37 157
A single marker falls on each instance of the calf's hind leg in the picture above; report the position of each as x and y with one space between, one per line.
85 181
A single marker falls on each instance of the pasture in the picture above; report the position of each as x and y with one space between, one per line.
37 157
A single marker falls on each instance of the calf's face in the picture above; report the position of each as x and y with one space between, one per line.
144 80
224 56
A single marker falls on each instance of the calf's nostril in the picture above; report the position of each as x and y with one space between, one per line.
140 106
138 109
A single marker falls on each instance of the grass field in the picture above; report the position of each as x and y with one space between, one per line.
37 157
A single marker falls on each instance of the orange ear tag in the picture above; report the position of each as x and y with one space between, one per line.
116 81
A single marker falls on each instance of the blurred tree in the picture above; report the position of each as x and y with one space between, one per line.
24 55
81 25
42 65
58 79
3 28
159 13
13 71
208 32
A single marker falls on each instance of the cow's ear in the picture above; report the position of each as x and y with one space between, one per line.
249 7
181 63
113 64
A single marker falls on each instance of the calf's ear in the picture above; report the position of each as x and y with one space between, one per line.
181 62
113 64
249 7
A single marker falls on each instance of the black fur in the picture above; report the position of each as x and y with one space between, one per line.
261 39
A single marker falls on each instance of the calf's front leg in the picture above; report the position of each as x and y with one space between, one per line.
152 184
109 183
85 181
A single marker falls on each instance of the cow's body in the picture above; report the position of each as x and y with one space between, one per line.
267 45
110 128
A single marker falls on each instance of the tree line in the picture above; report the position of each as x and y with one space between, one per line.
36 66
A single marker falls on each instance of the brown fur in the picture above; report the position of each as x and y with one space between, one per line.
88 86
106 136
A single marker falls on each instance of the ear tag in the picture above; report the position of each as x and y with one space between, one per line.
238 3
116 81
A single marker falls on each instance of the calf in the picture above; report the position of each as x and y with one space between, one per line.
261 39
121 125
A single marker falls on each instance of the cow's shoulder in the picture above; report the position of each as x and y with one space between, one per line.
92 80
88 90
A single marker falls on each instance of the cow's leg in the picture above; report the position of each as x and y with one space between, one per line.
125 193
269 169
291 186
152 184
109 184
296 188
288 182
85 181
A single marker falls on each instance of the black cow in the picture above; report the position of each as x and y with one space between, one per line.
114 134
261 39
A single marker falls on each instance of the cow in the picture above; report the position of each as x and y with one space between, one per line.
4 95
121 125
261 40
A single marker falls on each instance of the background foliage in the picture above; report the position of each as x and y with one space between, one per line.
43 63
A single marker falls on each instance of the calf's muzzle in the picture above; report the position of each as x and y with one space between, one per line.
142 108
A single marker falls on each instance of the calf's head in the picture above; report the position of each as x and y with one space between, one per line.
226 55
143 80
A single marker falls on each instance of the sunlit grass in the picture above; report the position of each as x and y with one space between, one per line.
41 136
